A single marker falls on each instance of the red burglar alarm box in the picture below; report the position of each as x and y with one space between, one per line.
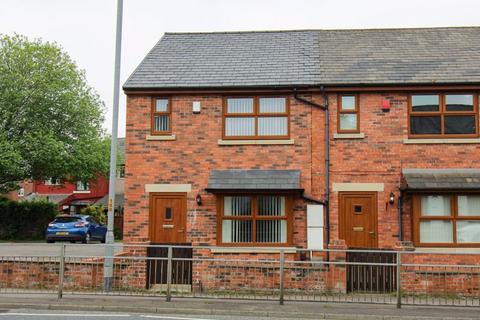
386 105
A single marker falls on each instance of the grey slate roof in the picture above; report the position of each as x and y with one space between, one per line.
442 178
311 57
254 180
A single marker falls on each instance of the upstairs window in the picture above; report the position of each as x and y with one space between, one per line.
82 186
161 116
443 115
52 182
348 117
255 220
256 118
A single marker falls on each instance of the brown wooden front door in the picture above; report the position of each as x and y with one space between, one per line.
358 219
168 218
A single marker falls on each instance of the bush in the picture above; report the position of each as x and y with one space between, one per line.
25 220
96 212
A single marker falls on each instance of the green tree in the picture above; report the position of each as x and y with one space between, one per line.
50 118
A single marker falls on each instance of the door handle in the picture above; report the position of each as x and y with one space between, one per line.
372 232
180 230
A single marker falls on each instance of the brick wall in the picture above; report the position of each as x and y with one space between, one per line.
195 152
382 154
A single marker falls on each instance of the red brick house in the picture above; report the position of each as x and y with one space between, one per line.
72 197
306 139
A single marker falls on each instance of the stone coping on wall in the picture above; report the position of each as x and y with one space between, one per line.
253 250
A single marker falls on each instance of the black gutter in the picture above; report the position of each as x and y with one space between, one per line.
324 107
312 199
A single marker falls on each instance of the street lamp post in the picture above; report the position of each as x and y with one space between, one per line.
109 241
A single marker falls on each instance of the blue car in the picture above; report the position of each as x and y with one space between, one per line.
75 228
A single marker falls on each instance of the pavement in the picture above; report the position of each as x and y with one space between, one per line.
23 249
206 309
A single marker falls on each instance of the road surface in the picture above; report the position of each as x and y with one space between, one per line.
65 315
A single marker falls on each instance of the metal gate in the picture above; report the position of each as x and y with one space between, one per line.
181 266
365 277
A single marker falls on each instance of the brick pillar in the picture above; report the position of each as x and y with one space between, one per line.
337 272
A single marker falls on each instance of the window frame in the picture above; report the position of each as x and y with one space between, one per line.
86 186
256 114
454 217
154 113
52 182
442 112
255 217
356 111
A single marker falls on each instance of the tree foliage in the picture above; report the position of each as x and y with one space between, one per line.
50 118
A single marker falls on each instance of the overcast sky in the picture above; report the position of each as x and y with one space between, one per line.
86 28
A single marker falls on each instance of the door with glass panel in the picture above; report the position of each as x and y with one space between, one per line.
168 218
358 219
443 219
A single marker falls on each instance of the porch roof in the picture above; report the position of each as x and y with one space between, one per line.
254 181
441 179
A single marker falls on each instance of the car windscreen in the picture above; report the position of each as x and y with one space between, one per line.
66 219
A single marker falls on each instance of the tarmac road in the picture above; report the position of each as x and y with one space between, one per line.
63 315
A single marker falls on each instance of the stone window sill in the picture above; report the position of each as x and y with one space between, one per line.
348 136
161 138
440 141
254 142
78 191
252 250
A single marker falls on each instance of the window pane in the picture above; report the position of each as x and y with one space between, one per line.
348 121
459 102
468 205
425 103
273 105
271 231
272 126
425 125
161 105
236 231
436 206
459 124
239 127
162 123
82 186
468 231
237 206
348 102
271 206
240 105
436 231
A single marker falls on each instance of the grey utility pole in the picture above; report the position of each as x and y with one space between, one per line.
108 264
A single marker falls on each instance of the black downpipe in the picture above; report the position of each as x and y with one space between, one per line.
327 166
400 215
325 202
